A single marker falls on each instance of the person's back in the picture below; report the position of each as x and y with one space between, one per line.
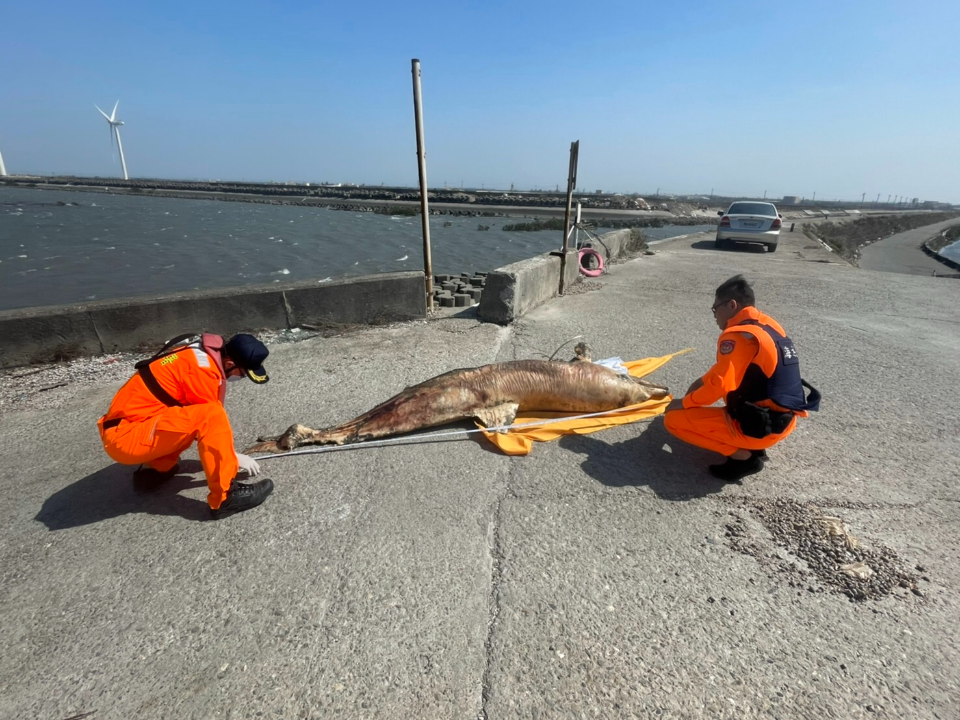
188 375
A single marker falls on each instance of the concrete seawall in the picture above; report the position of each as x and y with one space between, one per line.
62 332
938 257
515 289
55 333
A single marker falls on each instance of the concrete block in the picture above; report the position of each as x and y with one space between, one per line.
616 244
63 332
372 299
31 337
516 289
571 269
462 299
446 301
140 325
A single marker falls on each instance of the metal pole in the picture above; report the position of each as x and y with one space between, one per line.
424 203
571 184
576 225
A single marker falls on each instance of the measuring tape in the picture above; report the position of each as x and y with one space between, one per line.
443 434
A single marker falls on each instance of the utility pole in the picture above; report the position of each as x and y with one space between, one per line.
814 196
877 201
571 184
424 202
861 199
764 194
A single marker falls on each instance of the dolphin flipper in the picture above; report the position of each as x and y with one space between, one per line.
498 415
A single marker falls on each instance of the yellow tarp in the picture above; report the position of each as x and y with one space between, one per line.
520 442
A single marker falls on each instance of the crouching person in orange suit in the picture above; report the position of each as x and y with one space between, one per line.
757 375
176 398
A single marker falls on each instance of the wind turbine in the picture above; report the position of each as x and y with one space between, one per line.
3 168
115 130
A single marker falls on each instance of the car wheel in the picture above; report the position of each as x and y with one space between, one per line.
771 247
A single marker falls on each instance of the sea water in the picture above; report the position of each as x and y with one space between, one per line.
62 247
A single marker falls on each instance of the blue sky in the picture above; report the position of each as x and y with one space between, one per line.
837 98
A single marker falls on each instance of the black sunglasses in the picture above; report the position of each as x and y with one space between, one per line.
713 308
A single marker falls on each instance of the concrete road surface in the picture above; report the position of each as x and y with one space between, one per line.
901 253
601 576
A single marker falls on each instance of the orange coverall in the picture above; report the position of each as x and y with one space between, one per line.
711 427
156 434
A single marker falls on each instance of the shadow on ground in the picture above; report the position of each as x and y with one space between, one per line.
731 247
111 492
676 474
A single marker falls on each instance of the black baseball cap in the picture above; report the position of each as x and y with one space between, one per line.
249 353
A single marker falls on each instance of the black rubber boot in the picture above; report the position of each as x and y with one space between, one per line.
243 496
734 470
762 454
146 479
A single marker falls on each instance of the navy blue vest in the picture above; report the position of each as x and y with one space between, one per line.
785 386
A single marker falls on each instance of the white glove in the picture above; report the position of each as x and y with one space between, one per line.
247 464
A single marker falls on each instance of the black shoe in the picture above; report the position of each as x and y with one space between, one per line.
146 479
762 454
242 496
735 470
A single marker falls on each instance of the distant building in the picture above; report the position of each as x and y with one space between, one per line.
791 199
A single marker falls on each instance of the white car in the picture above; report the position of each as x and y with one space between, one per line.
749 221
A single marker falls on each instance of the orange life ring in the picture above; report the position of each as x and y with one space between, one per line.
585 270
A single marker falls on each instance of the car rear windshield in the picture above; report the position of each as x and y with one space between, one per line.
752 209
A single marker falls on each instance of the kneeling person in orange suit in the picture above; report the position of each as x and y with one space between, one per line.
757 374
176 397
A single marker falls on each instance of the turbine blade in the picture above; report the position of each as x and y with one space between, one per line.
107 117
113 115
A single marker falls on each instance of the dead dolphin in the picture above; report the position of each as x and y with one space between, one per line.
493 394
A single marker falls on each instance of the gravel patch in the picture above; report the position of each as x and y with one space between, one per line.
813 544
51 385
584 286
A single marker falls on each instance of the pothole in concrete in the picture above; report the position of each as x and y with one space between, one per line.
812 542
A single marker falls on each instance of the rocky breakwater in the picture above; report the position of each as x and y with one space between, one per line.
460 290
326 194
